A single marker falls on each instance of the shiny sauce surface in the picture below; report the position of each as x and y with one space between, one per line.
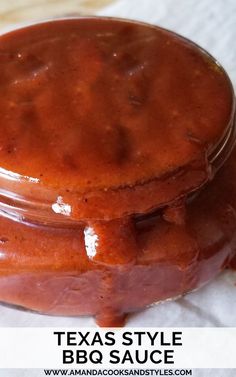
102 104
97 103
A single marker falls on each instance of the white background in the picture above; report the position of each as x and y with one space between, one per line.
38 348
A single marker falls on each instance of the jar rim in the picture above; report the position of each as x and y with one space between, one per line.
55 209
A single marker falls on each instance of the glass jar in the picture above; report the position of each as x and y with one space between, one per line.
116 187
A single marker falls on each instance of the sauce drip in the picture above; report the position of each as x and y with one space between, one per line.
107 126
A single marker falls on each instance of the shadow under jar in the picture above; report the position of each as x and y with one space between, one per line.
117 178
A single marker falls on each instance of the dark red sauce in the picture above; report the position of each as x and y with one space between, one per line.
108 128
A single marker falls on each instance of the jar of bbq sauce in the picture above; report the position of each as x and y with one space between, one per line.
117 163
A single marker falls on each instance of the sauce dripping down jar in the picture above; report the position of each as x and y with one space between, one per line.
117 163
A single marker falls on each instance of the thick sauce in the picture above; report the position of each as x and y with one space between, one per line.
54 271
101 122
92 108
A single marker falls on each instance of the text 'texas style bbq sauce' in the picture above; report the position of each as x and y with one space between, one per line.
111 196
